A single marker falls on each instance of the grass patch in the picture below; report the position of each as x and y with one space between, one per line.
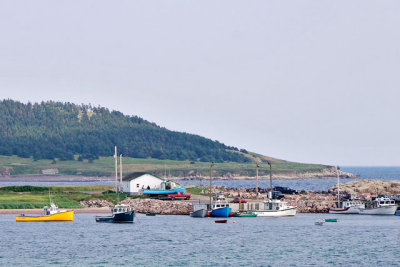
29 197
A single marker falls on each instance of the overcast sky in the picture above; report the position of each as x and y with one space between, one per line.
307 81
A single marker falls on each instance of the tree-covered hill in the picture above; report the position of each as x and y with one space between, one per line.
55 130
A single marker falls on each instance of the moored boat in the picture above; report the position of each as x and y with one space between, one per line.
201 213
275 208
351 206
380 206
220 207
221 221
120 214
330 220
50 214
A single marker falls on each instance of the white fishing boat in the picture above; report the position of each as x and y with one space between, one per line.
380 206
274 207
351 206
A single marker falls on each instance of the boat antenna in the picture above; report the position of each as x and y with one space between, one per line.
212 165
49 196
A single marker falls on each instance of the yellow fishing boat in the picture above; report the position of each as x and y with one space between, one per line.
51 214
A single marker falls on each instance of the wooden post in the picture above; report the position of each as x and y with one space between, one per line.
257 181
212 164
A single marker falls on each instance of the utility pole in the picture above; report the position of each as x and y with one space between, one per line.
212 165
257 166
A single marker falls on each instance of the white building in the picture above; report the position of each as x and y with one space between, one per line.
135 182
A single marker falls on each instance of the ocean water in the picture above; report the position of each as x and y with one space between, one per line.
355 240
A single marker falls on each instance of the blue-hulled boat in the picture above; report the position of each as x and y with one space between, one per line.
164 192
219 207
165 188
120 214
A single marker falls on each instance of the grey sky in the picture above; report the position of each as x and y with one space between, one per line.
307 81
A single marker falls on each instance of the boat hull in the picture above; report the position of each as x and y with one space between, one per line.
384 210
349 210
276 213
67 216
199 213
221 212
164 192
123 217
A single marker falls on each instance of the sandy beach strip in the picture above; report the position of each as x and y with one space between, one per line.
40 211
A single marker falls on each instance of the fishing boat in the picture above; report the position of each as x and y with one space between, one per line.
50 214
274 207
351 206
380 206
120 214
220 207
199 211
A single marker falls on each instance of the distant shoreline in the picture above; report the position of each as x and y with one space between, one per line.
65 178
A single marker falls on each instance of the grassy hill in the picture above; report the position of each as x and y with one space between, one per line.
104 166
79 140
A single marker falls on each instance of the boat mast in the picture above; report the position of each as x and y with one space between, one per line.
212 164
338 182
270 179
120 171
116 169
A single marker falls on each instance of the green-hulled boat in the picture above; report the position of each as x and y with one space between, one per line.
330 220
247 215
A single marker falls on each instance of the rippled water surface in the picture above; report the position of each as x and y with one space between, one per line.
355 240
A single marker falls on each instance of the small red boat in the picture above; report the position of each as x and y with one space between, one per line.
221 221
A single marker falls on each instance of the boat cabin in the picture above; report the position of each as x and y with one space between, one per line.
53 209
274 204
122 208
384 201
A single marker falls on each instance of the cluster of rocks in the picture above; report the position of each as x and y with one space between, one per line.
159 206
373 187
97 203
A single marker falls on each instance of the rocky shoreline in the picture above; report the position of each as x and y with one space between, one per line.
306 201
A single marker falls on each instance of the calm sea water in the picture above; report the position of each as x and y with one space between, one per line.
355 240
381 173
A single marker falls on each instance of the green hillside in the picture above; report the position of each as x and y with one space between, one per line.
104 166
80 139
50 130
